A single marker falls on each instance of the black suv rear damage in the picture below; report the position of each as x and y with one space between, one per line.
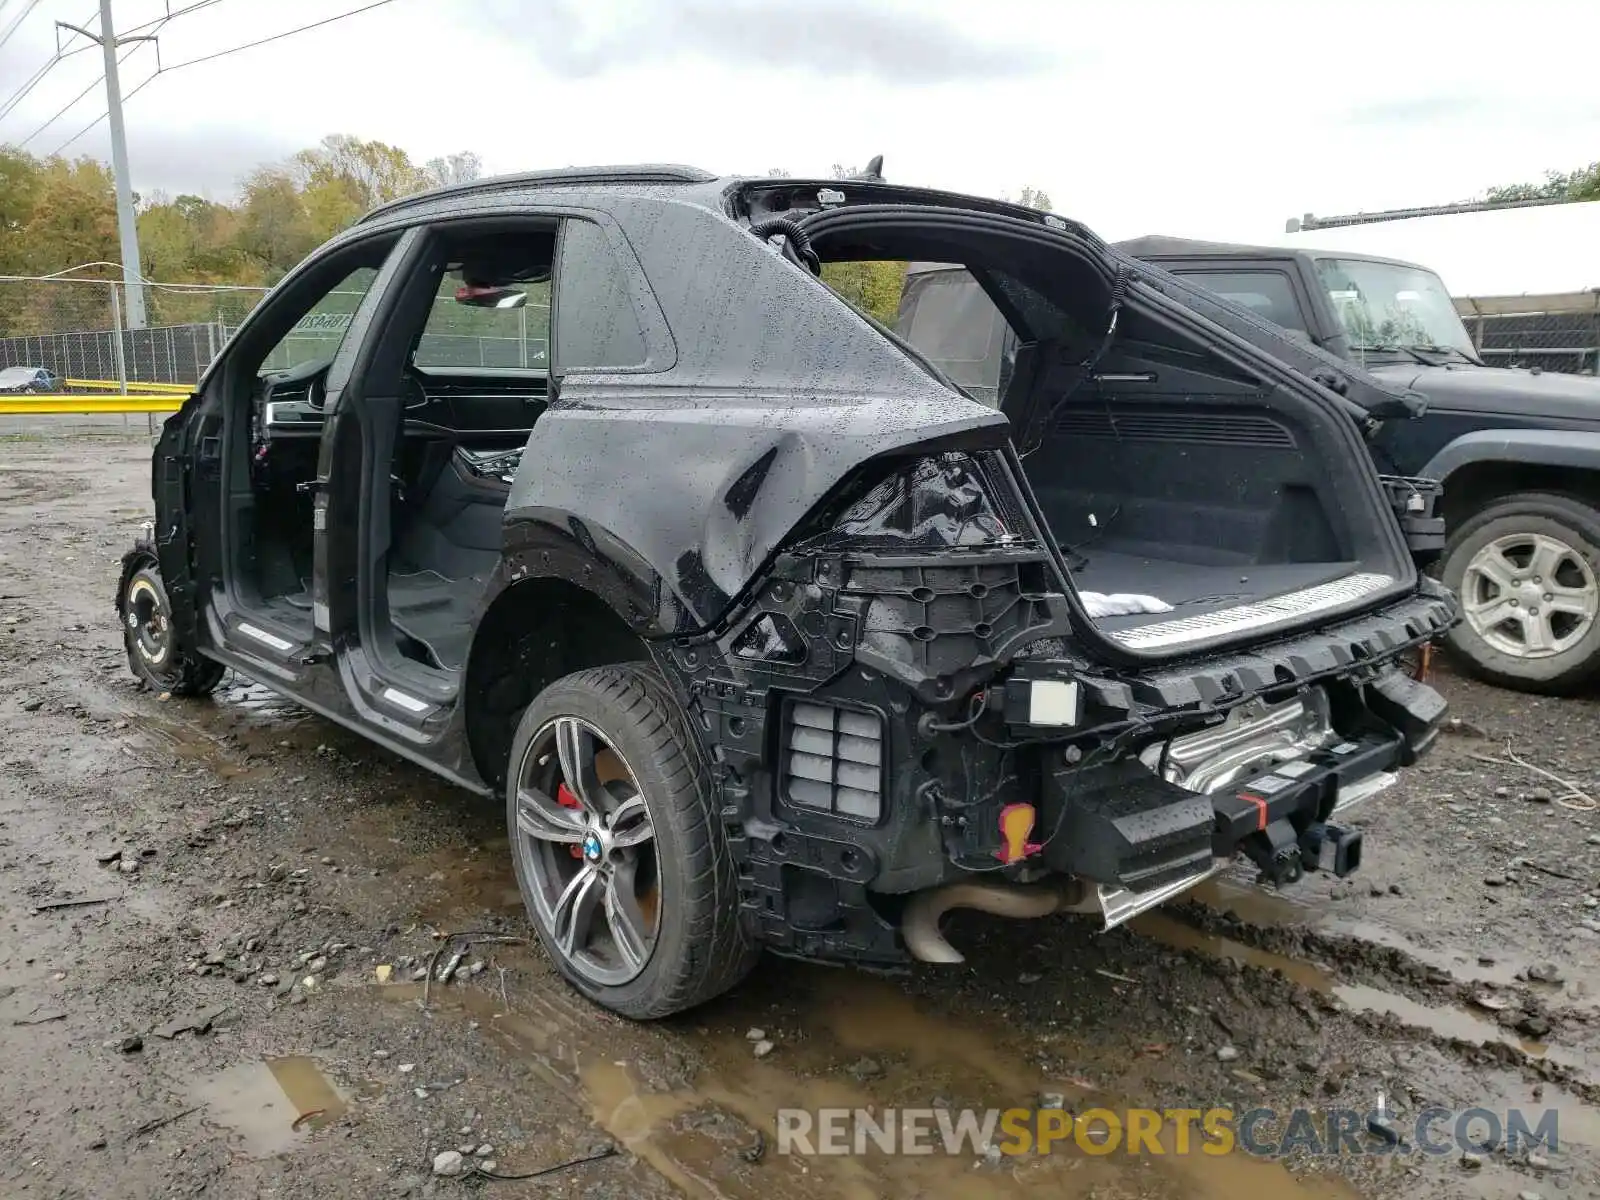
764 630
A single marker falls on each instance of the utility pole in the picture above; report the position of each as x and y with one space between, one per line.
127 228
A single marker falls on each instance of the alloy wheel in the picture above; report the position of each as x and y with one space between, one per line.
587 847
1529 595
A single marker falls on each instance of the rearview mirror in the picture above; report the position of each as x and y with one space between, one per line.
491 297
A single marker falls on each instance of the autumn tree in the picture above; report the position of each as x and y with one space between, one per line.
54 214
453 168
872 287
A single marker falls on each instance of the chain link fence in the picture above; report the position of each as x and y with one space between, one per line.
1558 334
75 328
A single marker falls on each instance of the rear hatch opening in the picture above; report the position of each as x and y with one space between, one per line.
1195 502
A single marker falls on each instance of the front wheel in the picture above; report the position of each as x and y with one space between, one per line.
1527 572
156 654
619 854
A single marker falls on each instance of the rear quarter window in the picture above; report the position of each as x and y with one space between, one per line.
597 326
1268 294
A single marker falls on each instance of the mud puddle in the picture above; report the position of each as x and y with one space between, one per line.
234 732
1265 908
274 1105
1441 1020
710 1125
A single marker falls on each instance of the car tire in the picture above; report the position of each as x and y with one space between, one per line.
654 927
1532 636
156 656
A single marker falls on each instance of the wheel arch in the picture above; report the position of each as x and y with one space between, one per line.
1487 465
536 629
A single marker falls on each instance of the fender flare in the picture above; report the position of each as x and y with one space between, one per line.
1538 447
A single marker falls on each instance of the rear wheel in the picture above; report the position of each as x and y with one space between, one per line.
156 655
1527 571
622 862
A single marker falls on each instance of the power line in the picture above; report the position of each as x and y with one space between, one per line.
21 17
18 96
156 26
190 62
21 93
172 16
65 108
277 36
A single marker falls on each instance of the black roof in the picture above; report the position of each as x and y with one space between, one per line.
1159 246
646 173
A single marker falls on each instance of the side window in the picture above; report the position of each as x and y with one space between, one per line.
501 332
946 314
1268 294
321 331
598 326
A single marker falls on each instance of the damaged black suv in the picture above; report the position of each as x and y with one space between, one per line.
583 490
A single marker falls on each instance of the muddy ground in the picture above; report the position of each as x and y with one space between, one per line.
213 1019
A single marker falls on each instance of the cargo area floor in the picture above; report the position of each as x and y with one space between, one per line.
1192 588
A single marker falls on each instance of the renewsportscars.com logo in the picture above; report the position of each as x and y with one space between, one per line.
1264 1132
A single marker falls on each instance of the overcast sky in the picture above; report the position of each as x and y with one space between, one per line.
1215 119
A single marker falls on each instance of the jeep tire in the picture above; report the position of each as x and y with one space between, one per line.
1526 569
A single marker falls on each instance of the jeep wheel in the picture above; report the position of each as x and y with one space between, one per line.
155 654
1526 571
622 862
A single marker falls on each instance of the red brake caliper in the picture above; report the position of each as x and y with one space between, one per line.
566 799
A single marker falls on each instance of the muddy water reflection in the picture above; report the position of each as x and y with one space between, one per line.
272 1105
1443 1020
701 1127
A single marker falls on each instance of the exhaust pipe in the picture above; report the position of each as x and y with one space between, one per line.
920 924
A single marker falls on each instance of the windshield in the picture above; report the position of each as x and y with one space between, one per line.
1387 306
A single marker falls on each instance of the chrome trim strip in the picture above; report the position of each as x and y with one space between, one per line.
1364 789
1245 617
1119 904
409 703
262 636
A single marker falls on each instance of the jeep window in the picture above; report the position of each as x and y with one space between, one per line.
511 334
318 334
1268 294
953 322
1388 306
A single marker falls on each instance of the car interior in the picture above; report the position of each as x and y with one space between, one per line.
1164 471
444 443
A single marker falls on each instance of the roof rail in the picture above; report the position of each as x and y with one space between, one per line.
648 173
1309 222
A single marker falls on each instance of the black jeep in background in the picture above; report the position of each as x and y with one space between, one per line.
1517 451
